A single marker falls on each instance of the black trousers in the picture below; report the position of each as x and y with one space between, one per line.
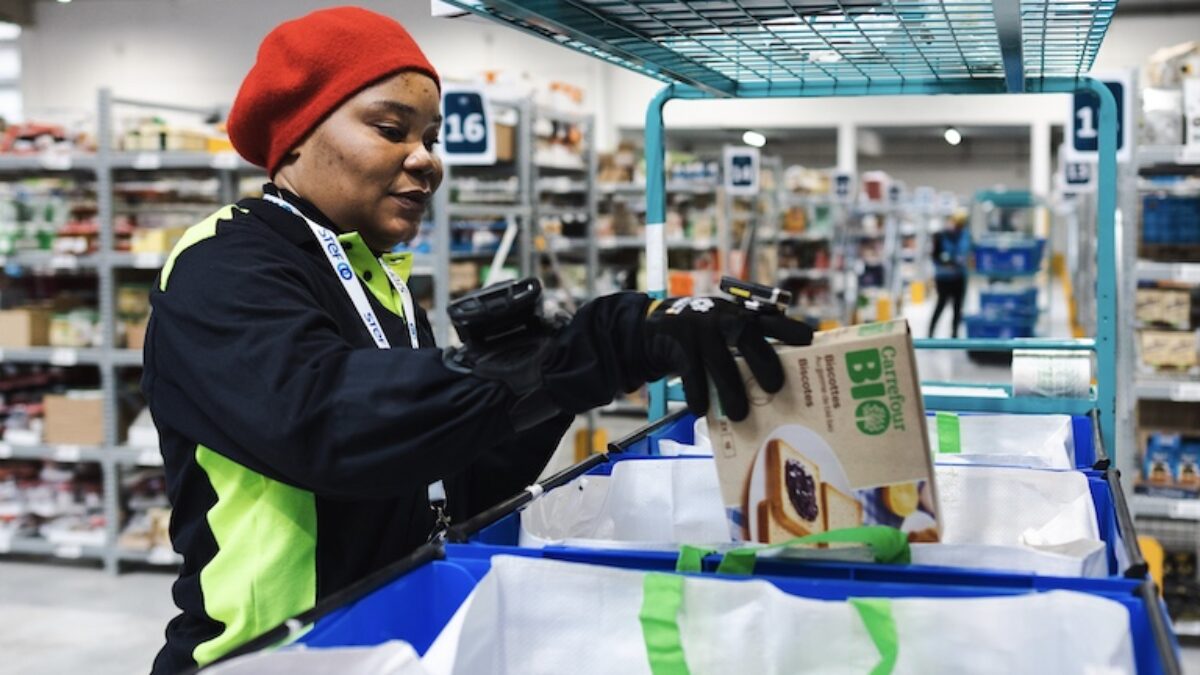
947 290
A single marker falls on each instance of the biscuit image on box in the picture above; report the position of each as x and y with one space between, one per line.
794 490
841 510
770 530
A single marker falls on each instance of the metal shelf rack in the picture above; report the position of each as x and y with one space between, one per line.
105 263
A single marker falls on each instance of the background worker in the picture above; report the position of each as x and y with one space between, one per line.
309 425
951 246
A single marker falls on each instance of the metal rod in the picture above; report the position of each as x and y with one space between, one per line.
656 218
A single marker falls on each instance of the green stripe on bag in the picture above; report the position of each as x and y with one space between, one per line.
876 615
662 594
949 440
691 558
887 544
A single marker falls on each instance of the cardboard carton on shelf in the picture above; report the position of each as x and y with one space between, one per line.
1169 349
76 418
135 334
843 444
24 327
155 239
506 142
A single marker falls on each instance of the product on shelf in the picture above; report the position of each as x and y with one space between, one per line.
142 433
1170 227
58 503
79 327
155 240
1172 350
843 444
24 327
1170 307
76 418
1170 464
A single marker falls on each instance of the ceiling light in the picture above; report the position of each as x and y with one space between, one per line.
63 1
953 136
754 139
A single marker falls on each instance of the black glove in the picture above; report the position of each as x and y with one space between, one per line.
692 336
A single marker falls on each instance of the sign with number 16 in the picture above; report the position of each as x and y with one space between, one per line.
467 137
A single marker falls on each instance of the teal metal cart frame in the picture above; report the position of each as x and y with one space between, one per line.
757 49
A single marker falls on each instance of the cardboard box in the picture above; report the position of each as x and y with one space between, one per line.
1191 112
506 142
155 240
24 328
1169 349
843 444
75 419
1167 306
135 335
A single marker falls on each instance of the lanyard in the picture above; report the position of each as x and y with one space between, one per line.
335 253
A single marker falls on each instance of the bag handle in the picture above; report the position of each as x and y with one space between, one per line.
887 544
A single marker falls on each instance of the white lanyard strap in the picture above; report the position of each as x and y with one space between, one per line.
336 255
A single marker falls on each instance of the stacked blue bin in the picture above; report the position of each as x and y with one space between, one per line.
1006 314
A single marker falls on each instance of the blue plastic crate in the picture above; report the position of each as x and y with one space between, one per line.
417 604
1009 259
1009 302
988 326
1170 219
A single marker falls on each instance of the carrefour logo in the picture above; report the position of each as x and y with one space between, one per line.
344 271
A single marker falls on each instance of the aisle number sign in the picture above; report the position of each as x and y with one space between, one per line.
467 137
741 170
1083 137
1078 177
843 185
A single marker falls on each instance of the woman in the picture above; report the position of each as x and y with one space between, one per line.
309 427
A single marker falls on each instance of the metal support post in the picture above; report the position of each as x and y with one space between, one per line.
656 218
107 292
441 261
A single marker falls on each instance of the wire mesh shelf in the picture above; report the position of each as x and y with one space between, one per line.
774 47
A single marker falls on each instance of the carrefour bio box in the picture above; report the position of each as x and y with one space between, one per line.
842 445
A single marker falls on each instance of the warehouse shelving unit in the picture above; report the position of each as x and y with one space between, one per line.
112 456
1161 396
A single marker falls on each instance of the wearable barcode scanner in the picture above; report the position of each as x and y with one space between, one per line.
501 312
506 339
757 297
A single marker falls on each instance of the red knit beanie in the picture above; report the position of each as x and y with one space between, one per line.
309 66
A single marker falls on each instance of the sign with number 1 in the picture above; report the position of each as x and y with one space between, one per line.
1083 133
467 137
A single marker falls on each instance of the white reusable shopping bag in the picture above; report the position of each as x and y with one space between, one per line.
646 503
1036 441
390 658
533 616
1021 520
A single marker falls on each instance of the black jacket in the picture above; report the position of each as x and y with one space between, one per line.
297 454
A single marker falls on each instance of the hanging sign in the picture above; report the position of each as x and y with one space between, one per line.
741 170
467 137
1083 131
843 185
1078 177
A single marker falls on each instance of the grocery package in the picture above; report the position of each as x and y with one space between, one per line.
843 444
1168 349
1170 464
1166 306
